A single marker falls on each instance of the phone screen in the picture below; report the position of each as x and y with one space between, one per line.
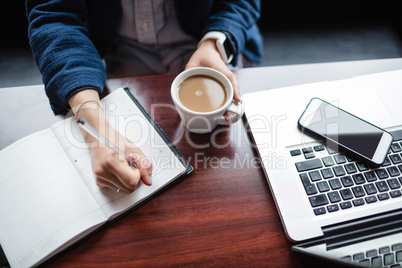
345 129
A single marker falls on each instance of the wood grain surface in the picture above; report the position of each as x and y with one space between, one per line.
222 215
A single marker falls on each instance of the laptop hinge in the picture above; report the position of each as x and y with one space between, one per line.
362 229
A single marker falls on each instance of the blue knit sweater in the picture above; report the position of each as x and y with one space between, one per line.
69 37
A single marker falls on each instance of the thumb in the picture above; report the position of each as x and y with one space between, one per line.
144 165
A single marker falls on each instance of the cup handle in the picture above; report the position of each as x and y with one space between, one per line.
237 109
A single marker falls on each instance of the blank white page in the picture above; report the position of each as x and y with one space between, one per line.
43 201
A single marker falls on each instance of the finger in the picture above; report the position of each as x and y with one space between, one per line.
236 88
141 162
228 116
105 176
235 83
144 165
118 186
125 174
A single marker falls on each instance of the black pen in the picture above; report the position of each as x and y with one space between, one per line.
94 133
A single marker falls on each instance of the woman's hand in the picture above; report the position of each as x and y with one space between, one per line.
207 55
110 168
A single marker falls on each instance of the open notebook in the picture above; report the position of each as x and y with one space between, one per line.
48 196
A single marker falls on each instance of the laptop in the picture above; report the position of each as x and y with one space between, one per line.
340 208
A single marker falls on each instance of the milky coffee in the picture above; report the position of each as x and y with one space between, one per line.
202 93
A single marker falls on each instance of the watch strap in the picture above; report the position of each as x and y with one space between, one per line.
221 43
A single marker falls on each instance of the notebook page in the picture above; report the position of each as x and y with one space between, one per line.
123 115
134 126
43 201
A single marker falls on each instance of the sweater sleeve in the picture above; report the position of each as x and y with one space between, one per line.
239 19
63 51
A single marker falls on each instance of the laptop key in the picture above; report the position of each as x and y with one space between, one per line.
384 250
307 150
318 200
371 253
383 196
393 184
395 158
396 193
395 147
340 158
347 181
358 202
323 186
397 247
393 171
387 162
361 166
371 199
328 161
376 262
399 256
351 168
382 186
358 191
308 165
309 155
339 171
335 184
327 173
345 205
358 256
315 175
346 194
381 173
332 208
295 152
308 186
370 176
359 178
334 197
370 188
318 148
365 263
347 258
389 259
319 211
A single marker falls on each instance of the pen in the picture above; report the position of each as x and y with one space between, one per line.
94 133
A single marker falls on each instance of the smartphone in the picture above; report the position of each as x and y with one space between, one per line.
345 132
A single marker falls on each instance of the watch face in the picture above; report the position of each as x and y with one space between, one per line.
227 45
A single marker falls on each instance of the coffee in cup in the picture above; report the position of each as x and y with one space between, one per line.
202 93
202 96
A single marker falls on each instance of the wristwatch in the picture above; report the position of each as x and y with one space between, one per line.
223 44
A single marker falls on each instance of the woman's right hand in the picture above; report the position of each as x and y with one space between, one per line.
111 170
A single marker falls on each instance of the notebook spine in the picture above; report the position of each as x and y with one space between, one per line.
180 156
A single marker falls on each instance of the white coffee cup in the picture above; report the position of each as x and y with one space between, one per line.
204 122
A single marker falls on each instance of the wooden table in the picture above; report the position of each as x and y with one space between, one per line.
222 215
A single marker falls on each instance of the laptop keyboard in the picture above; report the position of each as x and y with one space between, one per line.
335 182
389 256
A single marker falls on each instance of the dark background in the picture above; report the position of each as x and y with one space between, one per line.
275 15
